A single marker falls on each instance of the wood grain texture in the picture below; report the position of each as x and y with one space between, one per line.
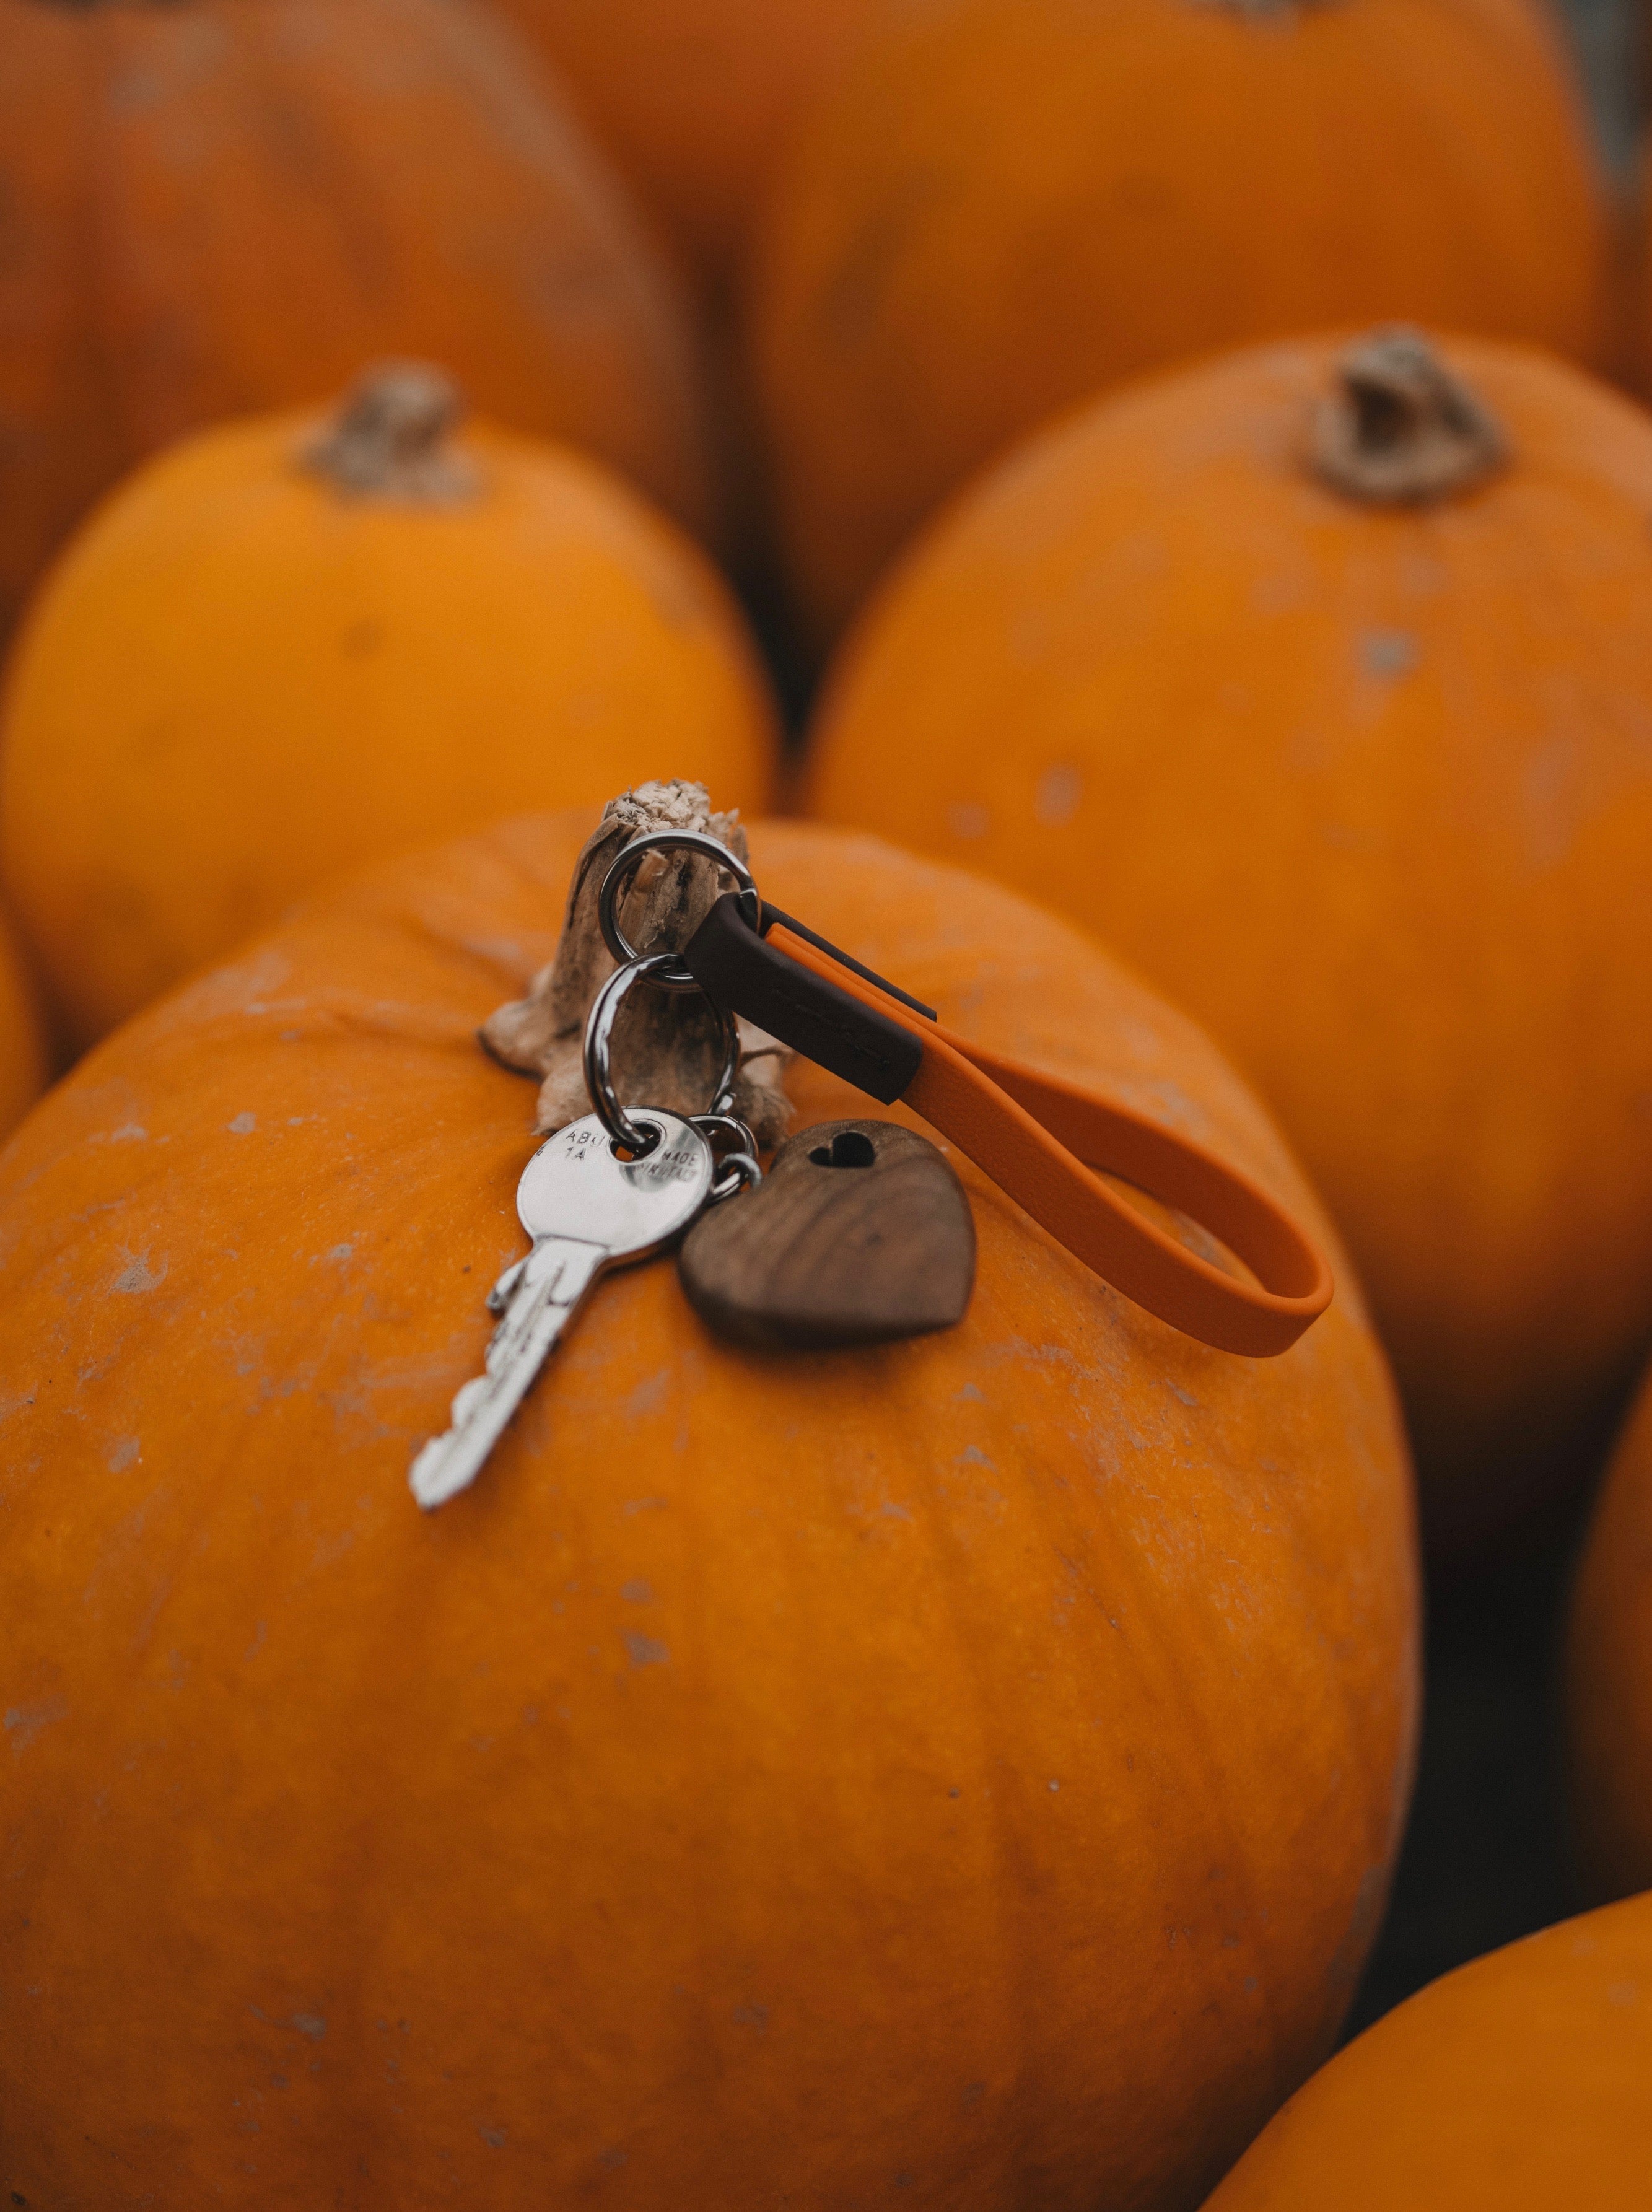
860 1234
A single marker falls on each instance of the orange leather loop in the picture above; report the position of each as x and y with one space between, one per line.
1038 1138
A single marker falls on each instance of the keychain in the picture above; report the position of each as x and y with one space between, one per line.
619 1186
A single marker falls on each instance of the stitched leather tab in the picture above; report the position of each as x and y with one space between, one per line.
841 1033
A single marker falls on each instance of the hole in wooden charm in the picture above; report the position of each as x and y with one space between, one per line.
850 1148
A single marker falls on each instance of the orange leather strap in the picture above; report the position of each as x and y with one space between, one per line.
1039 1138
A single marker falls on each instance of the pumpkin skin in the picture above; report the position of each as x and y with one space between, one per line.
282 191
1368 792
1009 205
961 1773
1609 1674
696 99
1516 2084
241 677
22 1045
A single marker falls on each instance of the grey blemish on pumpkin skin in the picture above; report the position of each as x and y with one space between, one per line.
243 1125
1059 793
124 1454
1388 652
22 1723
137 1276
310 2024
645 1651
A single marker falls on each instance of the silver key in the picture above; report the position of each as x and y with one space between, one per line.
587 1210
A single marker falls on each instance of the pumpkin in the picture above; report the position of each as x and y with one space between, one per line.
1322 694
283 191
22 1047
1609 1673
1514 2085
286 645
962 1771
1011 204
696 99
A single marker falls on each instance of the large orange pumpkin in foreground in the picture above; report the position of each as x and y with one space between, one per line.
962 1773
1011 204
219 205
22 1048
1517 2084
289 645
1326 697
1609 1674
696 99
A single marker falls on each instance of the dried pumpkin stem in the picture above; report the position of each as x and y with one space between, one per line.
393 438
669 1049
1400 429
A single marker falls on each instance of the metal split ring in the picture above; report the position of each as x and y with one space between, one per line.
673 975
598 1035
738 1166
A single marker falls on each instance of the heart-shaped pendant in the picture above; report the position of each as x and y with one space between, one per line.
860 1233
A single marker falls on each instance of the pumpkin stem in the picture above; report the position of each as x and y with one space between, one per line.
1400 429
669 1050
391 437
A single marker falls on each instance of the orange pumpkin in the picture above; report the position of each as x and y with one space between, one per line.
285 646
1011 204
280 191
22 1047
1609 1673
1360 776
1516 2084
696 99
962 1771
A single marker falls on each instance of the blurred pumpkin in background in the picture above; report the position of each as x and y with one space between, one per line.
22 1045
1516 2084
1609 1674
696 99
1009 204
1635 334
1317 681
290 643
219 205
966 1770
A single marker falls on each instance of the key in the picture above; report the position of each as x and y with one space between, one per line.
586 1211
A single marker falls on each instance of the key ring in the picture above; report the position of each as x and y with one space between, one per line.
599 1034
673 975
738 1165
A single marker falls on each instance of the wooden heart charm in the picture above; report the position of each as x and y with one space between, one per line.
859 1234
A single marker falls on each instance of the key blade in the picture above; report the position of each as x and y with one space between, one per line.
553 1279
